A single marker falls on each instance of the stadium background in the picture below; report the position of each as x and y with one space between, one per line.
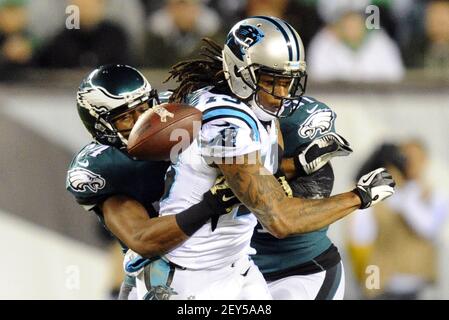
52 249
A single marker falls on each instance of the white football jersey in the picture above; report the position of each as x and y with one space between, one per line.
229 129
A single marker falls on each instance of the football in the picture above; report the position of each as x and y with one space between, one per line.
163 131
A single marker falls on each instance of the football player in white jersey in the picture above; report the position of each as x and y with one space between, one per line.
259 76
119 189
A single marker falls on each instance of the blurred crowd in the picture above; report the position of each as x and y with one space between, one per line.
346 40
399 237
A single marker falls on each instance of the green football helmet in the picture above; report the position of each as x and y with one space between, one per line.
107 92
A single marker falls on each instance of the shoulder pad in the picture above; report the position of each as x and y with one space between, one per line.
89 173
229 128
227 140
193 98
313 119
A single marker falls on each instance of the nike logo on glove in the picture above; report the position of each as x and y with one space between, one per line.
227 198
369 177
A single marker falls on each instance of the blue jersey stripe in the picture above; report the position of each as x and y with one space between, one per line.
223 112
282 29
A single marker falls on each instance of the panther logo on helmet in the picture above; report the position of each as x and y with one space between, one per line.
245 36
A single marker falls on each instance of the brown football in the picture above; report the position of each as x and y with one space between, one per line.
160 129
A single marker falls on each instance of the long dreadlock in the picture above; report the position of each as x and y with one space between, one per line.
198 73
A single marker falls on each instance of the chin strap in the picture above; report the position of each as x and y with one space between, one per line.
260 113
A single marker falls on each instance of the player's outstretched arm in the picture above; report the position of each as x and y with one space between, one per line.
128 220
283 216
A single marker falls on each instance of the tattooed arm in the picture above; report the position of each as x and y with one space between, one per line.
287 165
260 192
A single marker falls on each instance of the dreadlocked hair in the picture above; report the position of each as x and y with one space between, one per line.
198 73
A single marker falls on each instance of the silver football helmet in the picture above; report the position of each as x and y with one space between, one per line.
265 45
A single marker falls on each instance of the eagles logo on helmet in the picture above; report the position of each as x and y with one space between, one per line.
107 92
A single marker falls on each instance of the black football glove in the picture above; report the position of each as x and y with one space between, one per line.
223 198
223 195
374 187
319 152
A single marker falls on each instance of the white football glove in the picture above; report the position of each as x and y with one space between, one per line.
374 187
320 151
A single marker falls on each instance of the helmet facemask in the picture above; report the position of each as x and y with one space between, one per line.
287 87
106 130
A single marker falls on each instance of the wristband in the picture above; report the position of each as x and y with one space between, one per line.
193 218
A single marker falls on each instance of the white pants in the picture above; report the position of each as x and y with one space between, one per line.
325 285
241 280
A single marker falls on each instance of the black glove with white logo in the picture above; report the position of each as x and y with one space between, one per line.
374 187
220 197
217 201
319 152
